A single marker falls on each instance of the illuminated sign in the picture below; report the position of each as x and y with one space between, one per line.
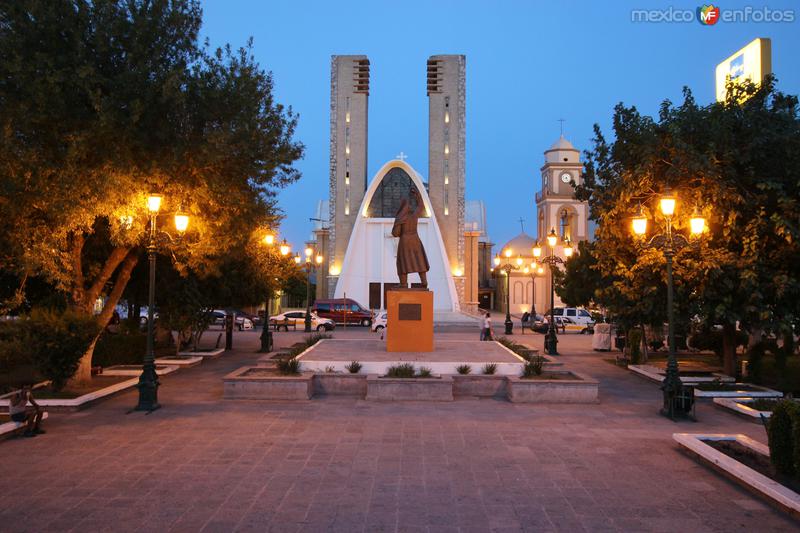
752 62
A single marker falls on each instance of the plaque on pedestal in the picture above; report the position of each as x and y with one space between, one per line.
409 326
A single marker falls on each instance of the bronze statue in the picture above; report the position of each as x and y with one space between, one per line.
410 252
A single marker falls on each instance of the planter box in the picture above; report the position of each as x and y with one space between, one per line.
437 389
741 407
548 359
254 383
180 360
573 388
209 354
81 402
480 386
747 391
757 483
657 374
336 384
136 370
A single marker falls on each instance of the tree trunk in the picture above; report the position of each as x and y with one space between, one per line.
729 349
84 373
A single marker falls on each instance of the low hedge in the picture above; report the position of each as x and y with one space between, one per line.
126 348
783 431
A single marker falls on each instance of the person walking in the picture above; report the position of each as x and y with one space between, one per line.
486 334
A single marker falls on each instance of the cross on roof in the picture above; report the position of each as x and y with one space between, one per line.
561 120
522 224
401 156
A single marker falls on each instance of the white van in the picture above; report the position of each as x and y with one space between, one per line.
577 315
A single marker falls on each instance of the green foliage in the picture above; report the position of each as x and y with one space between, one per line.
55 341
755 362
185 309
105 102
581 278
489 368
634 343
289 366
781 433
424 372
464 369
403 370
737 163
763 404
123 348
354 367
533 367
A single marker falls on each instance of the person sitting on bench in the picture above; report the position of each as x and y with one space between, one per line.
20 412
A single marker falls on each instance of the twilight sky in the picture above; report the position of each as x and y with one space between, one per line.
529 63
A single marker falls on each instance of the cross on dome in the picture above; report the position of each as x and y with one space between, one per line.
401 156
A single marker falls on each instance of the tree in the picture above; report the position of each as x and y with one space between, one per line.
105 101
737 162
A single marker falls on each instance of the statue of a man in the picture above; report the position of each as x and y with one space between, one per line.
410 252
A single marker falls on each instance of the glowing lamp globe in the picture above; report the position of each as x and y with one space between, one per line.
154 203
667 204
537 250
552 238
285 248
181 222
697 224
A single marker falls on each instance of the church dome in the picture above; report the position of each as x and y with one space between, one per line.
562 144
522 245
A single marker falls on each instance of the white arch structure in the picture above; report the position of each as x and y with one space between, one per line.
372 251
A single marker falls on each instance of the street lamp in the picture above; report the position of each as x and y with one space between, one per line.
552 261
266 334
533 271
311 259
669 243
148 380
507 267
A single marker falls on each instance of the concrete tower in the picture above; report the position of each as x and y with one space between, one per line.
348 153
446 155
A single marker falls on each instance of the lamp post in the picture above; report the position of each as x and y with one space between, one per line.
669 243
148 380
552 261
535 269
507 267
266 334
311 258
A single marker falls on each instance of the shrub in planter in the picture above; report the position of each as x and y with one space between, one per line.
635 343
424 372
781 433
354 367
404 370
489 368
533 367
56 341
289 366
119 349
464 369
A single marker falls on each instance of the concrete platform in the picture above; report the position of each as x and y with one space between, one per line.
446 357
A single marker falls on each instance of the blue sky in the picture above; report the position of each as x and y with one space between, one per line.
529 63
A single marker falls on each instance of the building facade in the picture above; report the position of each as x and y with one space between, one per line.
352 197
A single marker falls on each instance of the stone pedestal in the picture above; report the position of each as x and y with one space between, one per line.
409 325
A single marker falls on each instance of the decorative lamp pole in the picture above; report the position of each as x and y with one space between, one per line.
266 334
534 270
669 243
507 267
148 380
311 259
552 261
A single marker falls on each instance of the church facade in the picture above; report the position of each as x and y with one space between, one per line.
556 209
355 232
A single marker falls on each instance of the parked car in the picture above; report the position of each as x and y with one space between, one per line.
578 315
343 311
241 322
298 318
379 322
255 319
563 325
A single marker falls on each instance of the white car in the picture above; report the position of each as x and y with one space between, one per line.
577 315
298 319
379 322
242 323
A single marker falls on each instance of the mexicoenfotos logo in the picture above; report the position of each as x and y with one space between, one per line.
707 15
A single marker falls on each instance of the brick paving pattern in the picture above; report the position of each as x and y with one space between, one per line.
204 463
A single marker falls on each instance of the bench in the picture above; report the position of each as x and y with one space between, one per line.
12 428
285 325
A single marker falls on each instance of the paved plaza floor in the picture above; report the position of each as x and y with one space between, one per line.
204 463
